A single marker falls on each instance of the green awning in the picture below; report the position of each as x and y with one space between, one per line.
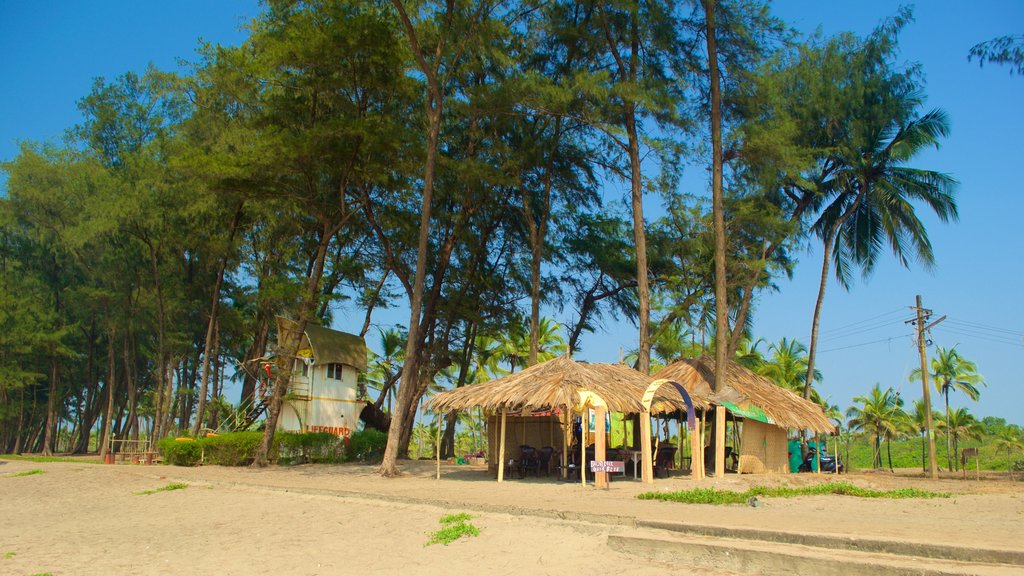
752 412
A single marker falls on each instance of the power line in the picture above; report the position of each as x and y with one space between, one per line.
889 339
859 322
961 333
885 324
984 327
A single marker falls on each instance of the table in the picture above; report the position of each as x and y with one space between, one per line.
635 456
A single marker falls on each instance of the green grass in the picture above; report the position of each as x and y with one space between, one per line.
27 473
24 458
713 496
9 555
168 488
455 526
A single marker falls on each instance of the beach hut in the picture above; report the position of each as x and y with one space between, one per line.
322 395
767 410
553 390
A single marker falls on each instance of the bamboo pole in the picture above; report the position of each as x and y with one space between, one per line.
583 447
646 461
600 478
501 448
437 444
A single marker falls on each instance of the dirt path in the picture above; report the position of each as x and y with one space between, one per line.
85 519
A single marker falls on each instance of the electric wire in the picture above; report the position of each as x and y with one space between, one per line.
983 327
859 322
871 328
889 339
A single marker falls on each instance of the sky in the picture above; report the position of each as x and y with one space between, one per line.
53 51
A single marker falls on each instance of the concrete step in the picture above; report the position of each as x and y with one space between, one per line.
757 557
855 543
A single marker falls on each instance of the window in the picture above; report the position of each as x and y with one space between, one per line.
334 371
305 369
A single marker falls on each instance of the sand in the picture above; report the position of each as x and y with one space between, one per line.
79 518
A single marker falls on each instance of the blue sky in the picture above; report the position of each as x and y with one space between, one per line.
53 51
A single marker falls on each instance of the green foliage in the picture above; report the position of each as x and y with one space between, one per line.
9 555
367 445
167 488
455 526
715 496
232 449
27 473
180 452
315 447
29 458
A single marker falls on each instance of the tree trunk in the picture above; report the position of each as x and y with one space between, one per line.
51 410
287 353
410 370
949 446
111 379
212 323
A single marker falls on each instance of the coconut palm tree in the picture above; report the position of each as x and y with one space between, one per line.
950 371
787 366
960 425
870 200
876 416
1008 440
918 422
385 369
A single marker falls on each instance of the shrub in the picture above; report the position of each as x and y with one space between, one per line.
183 452
231 449
317 447
367 445
1018 466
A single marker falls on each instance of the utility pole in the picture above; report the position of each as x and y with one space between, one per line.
922 316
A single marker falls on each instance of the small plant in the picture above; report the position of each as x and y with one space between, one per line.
712 496
9 555
455 526
168 488
28 473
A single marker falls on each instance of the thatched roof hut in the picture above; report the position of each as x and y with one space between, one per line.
558 383
745 389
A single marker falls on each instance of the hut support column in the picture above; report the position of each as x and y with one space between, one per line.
501 449
719 441
600 478
697 450
647 476
583 449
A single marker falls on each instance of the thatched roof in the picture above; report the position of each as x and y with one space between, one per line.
327 346
557 384
746 387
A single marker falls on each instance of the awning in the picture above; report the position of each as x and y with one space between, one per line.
751 411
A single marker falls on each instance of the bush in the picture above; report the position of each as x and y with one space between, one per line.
231 449
367 445
183 452
1018 466
317 447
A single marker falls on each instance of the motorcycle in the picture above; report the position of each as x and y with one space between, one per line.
829 464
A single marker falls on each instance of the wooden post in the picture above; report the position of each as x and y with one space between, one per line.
719 441
501 448
646 460
437 444
600 478
583 447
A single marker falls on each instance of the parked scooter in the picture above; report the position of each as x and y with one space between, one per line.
829 464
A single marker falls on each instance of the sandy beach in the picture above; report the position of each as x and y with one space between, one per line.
80 518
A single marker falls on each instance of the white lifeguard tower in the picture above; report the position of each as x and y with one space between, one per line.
322 396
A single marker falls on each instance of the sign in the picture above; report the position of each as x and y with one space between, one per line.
607 466
968 453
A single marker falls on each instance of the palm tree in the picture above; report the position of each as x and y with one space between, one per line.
787 366
1009 441
960 424
877 416
950 371
918 422
870 197
386 368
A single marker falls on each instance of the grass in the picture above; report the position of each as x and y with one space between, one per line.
9 555
168 488
455 526
27 473
24 458
713 496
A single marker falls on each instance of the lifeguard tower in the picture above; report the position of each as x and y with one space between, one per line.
322 396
